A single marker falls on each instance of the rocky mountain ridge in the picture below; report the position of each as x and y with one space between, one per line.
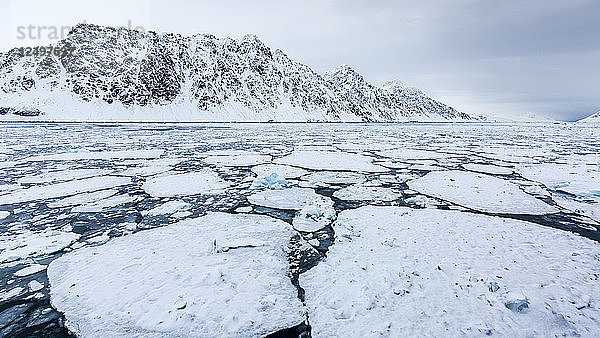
121 74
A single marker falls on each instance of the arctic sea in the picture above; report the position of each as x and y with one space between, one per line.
349 229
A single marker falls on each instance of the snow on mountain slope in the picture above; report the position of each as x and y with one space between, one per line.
592 118
121 74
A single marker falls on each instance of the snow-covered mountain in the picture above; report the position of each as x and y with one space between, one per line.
121 74
592 118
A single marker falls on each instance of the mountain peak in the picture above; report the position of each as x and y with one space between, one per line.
394 85
202 77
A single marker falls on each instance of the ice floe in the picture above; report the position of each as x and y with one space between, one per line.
480 192
30 244
314 212
35 286
151 168
287 199
581 180
63 189
98 155
325 178
204 181
487 169
397 271
100 205
411 154
328 160
359 192
314 215
284 171
4 214
221 275
85 198
168 208
64 175
237 158
30 270
273 181
588 208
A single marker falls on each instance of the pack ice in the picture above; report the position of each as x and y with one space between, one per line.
480 192
329 160
172 184
314 212
396 271
220 275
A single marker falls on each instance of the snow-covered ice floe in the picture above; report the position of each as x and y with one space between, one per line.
324 178
480 192
98 155
236 158
488 169
580 180
63 175
168 208
273 181
63 189
359 192
30 244
286 199
314 212
284 171
329 160
412 154
396 271
220 275
204 181
100 205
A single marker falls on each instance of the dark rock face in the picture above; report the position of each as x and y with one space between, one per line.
26 112
134 68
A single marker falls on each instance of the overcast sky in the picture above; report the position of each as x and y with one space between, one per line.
505 58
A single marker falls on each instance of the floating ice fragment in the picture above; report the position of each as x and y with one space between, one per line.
287 199
581 180
358 192
35 286
168 208
327 160
284 171
383 264
85 198
243 210
315 215
488 169
325 178
27 243
97 155
65 175
63 189
104 204
170 282
480 192
30 270
273 181
237 158
4 214
193 183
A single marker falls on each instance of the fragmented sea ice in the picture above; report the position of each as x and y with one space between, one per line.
182 280
204 181
480 192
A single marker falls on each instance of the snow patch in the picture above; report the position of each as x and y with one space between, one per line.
204 181
182 280
466 274
480 192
